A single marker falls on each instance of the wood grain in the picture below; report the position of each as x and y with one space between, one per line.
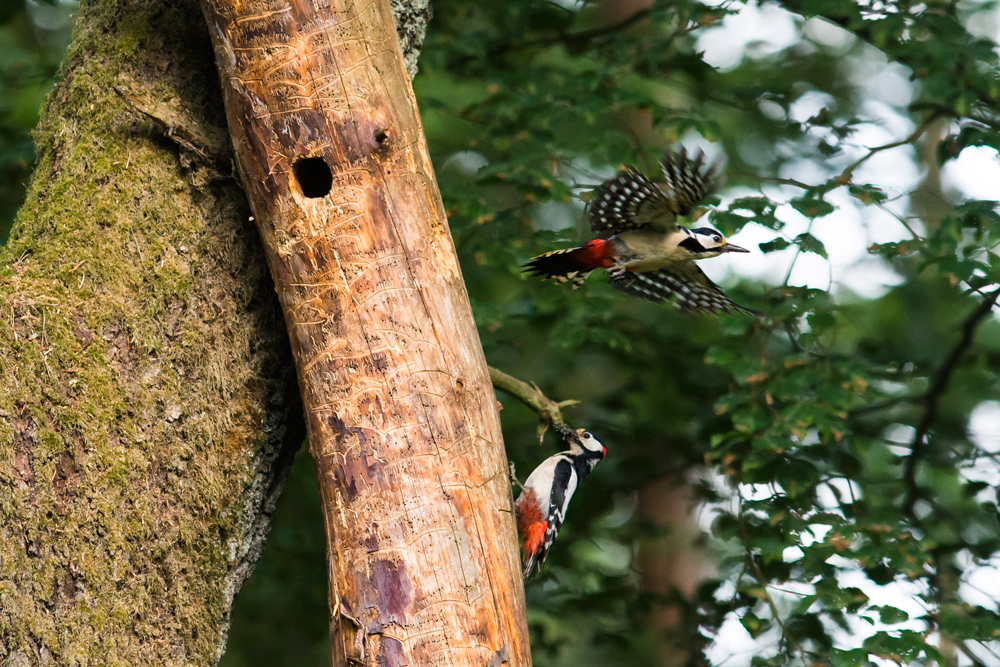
401 415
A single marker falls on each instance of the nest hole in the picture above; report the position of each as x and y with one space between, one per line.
313 176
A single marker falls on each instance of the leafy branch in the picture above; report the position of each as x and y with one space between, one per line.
935 391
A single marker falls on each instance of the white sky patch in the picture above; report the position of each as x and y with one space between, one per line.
830 36
808 105
984 426
755 30
981 583
976 173
847 234
734 647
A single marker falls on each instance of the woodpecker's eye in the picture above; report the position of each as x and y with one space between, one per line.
716 238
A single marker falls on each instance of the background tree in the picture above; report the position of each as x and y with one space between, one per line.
845 446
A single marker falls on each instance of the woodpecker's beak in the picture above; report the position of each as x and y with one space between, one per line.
729 247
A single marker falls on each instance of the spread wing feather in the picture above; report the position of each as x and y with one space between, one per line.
630 201
691 289
688 181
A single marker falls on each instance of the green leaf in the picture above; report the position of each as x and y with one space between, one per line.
774 246
812 208
809 243
892 615
754 625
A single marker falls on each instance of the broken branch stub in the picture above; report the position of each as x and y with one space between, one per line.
403 427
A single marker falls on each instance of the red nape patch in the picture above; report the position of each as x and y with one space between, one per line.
595 254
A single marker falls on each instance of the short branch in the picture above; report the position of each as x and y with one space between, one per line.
549 411
210 143
848 173
587 35
577 39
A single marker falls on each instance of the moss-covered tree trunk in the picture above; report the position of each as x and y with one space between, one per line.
403 426
148 407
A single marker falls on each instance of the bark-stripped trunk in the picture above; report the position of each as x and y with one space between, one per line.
148 407
401 416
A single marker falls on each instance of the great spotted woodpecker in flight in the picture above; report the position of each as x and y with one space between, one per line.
645 252
545 496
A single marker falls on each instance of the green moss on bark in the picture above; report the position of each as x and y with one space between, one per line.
146 392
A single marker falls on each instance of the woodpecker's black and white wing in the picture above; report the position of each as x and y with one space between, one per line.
630 201
689 181
563 487
691 290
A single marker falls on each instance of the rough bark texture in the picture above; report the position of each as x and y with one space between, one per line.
145 385
401 415
147 397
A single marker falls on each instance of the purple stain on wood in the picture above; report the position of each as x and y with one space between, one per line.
370 468
393 591
356 464
348 486
371 541
390 653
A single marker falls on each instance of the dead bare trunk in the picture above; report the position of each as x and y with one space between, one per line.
402 421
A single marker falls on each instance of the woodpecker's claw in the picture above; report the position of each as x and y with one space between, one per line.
616 272
513 477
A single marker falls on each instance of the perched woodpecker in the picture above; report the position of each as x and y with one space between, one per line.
645 252
545 496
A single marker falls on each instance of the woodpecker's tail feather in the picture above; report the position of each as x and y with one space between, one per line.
568 264
529 565
534 546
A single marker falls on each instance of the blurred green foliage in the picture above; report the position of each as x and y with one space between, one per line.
835 430
849 512
33 37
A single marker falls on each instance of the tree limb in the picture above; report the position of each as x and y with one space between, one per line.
848 173
934 393
594 33
208 142
549 411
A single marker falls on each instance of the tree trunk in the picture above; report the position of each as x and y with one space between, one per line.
403 426
673 563
147 406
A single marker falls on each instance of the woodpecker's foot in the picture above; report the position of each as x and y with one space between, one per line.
621 279
616 272
513 478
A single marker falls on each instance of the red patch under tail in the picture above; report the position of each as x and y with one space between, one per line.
572 263
532 527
